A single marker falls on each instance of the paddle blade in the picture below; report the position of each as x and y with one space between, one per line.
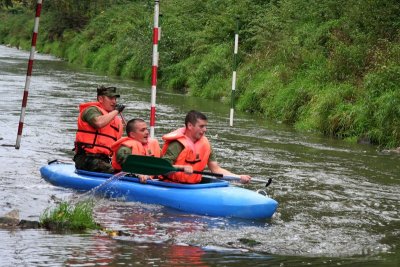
147 165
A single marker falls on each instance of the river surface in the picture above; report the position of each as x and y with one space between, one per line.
338 202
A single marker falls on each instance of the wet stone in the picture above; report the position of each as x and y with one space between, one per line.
7 222
25 224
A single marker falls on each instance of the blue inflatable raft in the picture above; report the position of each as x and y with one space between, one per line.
212 197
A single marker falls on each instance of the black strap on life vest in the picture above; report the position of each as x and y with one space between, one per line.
98 133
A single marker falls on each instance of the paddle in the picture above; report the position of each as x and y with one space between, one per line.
156 166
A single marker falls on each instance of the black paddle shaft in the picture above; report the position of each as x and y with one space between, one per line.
156 166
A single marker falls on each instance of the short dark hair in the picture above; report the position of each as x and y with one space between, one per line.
193 116
130 126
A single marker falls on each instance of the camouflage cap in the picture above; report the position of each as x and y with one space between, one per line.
107 91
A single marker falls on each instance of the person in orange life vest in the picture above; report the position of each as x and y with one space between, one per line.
190 149
98 128
137 142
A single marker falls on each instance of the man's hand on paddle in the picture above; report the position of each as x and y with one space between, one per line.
244 179
214 167
144 178
186 168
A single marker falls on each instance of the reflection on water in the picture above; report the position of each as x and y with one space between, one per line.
339 202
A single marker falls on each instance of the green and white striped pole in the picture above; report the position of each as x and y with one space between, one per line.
235 51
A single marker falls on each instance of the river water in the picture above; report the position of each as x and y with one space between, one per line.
338 202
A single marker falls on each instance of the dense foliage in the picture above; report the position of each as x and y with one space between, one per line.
330 66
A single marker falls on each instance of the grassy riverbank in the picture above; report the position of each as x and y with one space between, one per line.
330 66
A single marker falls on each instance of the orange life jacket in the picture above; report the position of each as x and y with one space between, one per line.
194 154
97 141
152 148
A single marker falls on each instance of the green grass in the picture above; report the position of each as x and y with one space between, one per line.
73 217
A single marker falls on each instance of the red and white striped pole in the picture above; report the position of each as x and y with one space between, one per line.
156 38
28 73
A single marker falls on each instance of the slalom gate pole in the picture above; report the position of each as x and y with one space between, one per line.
235 51
156 38
28 73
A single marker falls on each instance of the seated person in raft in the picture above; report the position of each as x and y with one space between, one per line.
189 148
137 142
98 128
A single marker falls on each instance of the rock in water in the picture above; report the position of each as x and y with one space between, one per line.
10 219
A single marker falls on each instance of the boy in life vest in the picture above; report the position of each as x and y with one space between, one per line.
98 128
137 142
190 149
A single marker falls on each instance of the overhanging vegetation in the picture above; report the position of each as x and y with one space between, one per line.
330 66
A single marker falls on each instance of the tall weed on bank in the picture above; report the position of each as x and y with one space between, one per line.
68 216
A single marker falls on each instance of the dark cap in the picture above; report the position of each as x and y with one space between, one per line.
107 91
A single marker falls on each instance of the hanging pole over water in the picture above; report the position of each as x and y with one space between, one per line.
156 38
235 51
28 73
